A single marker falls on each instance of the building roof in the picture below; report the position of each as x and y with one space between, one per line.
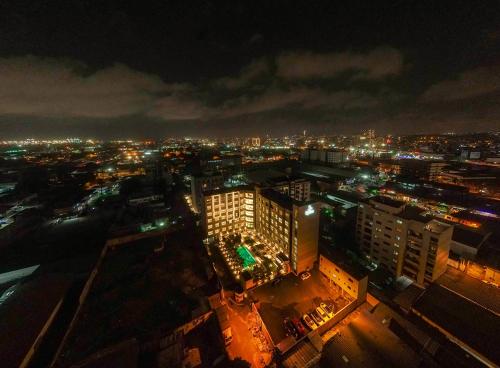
387 201
341 259
471 288
468 236
138 291
414 213
461 318
366 342
279 198
25 312
228 190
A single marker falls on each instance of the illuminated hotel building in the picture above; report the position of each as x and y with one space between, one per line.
228 210
204 183
403 241
289 225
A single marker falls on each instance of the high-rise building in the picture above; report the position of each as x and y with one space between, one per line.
289 225
203 183
403 241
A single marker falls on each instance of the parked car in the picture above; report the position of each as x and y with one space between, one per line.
328 309
277 280
299 327
322 314
309 322
290 328
317 318
305 275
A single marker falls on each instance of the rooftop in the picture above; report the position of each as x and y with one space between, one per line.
414 213
471 288
437 227
386 201
341 259
462 318
228 190
281 199
25 312
467 236
138 291
366 342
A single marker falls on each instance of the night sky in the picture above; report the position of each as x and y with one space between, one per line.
106 69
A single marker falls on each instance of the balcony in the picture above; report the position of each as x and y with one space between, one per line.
411 262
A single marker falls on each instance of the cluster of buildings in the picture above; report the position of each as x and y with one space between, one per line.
385 233
281 214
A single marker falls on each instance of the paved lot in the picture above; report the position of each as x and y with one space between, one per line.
292 297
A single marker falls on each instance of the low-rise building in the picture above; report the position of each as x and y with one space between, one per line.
336 266
421 169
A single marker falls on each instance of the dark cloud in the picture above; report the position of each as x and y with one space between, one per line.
277 95
249 73
306 98
53 88
376 64
469 84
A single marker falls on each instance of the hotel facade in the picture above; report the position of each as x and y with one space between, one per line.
289 225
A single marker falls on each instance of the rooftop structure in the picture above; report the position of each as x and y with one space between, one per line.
465 323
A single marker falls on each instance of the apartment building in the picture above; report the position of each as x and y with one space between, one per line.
203 183
228 210
403 241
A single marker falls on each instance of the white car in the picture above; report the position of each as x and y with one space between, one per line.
309 322
322 313
327 309
305 275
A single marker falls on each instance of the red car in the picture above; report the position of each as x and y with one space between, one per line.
299 326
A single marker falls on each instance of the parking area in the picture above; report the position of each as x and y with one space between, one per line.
292 298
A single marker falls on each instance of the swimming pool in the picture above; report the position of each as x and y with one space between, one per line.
246 256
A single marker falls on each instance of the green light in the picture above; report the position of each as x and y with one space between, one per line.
246 256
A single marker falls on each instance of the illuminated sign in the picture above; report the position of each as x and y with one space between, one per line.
309 211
